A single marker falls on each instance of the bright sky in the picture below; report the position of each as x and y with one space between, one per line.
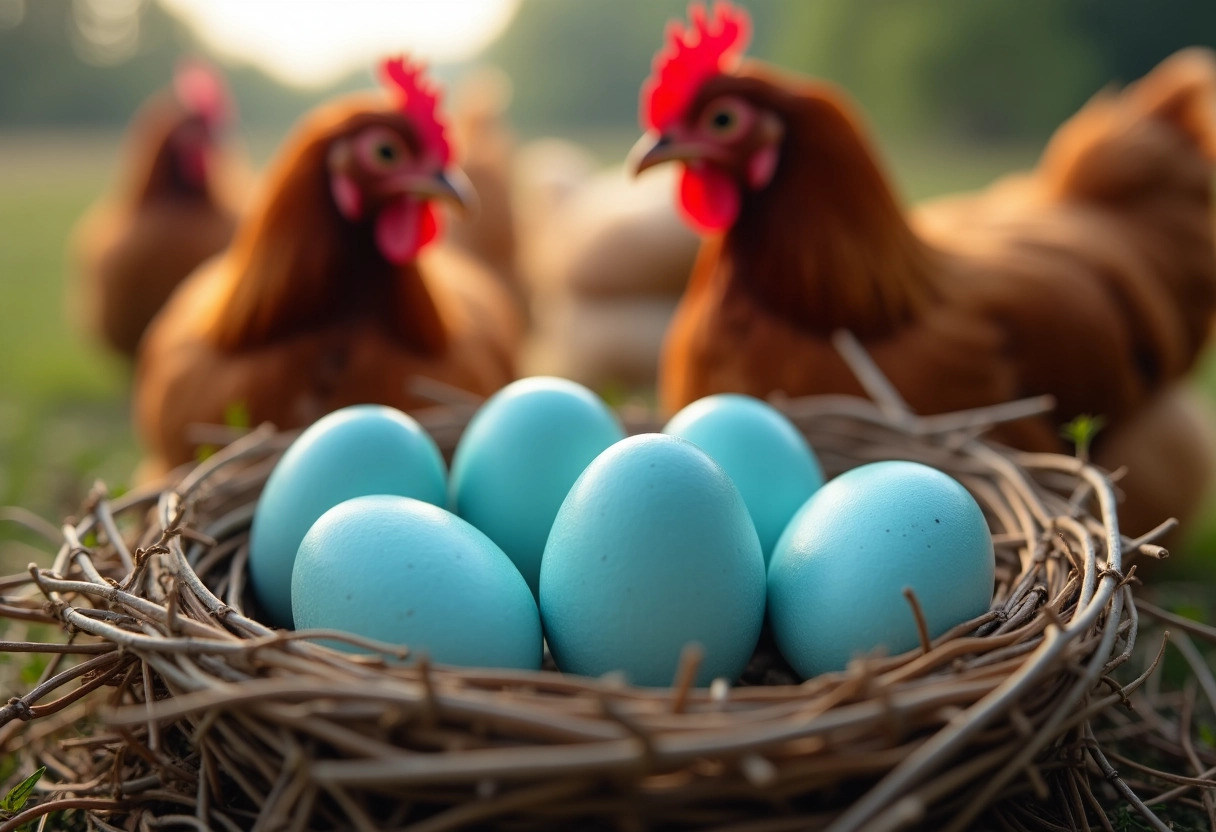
314 42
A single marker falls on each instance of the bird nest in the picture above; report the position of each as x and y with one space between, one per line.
169 705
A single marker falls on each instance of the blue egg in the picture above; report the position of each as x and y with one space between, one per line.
768 459
651 550
518 458
837 575
407 572
364 449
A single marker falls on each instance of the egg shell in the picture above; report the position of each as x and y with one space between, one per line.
407 572
836 579
652 549
768 459
358 450
518 458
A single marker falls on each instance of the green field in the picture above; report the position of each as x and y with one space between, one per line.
63 412
64 418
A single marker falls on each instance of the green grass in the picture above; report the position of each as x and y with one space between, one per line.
63 410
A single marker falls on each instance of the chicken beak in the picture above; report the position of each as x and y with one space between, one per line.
656 148
450 185
650 150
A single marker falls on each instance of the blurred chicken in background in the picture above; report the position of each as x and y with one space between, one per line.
1091 278
485 146
607 259
330 294
175 204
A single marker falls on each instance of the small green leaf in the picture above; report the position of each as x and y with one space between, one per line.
236 415
16 798
1081 432
204 452
614 395
1207 734
89 540
1191 611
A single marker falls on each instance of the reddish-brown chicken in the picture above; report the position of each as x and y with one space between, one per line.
326 297
1091 278
175 205
486 148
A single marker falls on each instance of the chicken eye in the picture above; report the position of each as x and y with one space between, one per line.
382 149
386 152
725 119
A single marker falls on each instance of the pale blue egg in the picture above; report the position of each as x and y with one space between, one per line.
768 459
519 456
651 550
407 572
364 449
837 575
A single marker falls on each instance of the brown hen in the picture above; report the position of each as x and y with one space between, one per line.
324 300
1091 278
175 205
606 264
486 147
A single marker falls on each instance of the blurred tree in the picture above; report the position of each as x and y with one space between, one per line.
580 64
1007 70
78 62
1131 35
1000 69
997 70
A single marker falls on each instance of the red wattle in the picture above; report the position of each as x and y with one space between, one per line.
430 224
709 198
397 230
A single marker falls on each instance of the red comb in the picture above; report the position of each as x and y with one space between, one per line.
418 97
707 48
200 89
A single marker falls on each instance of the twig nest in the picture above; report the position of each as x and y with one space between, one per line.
210 714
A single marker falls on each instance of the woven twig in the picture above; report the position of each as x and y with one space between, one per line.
202 717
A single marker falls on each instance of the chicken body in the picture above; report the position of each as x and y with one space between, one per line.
606 265
1092 278
175 205
323 300
487 149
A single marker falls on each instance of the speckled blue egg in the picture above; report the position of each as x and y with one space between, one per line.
407 572
364 449
652 549
837 575
518 458
768 459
